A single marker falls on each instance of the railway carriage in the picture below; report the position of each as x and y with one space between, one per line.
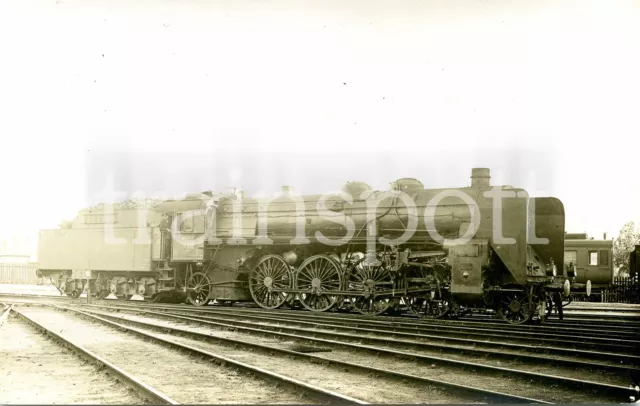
593 263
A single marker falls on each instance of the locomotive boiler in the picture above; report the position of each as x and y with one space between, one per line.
431 251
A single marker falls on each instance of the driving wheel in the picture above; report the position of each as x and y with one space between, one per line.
316 275
271 272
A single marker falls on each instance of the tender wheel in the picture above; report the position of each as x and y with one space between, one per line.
514 307
370 280
198 289
271 272
316 275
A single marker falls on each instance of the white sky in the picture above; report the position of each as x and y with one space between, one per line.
186 95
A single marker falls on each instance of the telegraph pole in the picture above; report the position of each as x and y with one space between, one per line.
88 275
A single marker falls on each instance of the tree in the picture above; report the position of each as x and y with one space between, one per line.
622 247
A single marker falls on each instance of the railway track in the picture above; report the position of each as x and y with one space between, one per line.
524 376
612 332
604 306
184 373
444 342
9 296
37 362
569 331
457 361
588 313
402 387
4 314
620 350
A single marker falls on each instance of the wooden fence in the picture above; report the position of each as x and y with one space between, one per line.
19 273
622 290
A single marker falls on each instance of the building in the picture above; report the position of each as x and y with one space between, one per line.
14 259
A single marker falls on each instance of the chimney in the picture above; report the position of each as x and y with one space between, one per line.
605 236
286 190
480 177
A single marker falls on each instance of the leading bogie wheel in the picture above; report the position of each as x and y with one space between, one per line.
198 288
270 273
316 275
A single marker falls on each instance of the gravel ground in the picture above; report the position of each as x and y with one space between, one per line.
184 378
357 385
35 369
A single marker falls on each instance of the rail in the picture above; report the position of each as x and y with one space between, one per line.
155 396
316 390
313 358
335 339
5 314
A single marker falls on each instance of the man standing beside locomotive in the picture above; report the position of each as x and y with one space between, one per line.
557 300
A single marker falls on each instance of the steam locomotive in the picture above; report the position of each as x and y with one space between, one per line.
434 252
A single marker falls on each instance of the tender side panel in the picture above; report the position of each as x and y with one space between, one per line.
93 249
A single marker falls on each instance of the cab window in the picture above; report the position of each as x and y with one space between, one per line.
186 222
593 258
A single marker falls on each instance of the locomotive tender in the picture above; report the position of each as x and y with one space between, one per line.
434 251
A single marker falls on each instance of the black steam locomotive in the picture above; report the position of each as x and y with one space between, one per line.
435 252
